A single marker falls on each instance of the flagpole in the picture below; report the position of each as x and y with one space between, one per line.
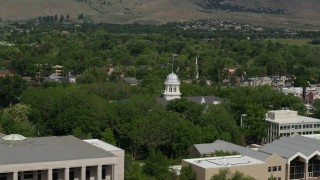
172 63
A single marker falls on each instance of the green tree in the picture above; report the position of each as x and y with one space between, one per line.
15 120
187 173
316 109
157 165
133 170
107 136
223 121
226 174
254 122
10 89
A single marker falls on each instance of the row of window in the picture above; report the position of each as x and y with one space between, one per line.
305 126
274 168
303 133
30 174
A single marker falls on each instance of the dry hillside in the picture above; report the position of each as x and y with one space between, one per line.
301 14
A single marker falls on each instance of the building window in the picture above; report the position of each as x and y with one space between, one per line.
274 168
104 172
71 174
279 168
3 176
28 175
88 173
174 89
170 89
279 178
269 169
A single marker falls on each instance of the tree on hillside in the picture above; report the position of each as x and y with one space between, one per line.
61 18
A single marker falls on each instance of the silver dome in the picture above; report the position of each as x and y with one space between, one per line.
172 78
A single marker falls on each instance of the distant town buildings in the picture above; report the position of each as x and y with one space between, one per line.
4 73
57 76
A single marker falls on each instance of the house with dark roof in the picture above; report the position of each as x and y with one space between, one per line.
63 157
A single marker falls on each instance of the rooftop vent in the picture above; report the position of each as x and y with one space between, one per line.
13 137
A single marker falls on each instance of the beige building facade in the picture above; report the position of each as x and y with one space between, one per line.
288 158
59 158
205 168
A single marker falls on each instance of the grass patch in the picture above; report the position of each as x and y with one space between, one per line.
298 42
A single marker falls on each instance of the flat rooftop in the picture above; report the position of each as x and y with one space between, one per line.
294 120
312 136
47 149
288 117
223 161
100 144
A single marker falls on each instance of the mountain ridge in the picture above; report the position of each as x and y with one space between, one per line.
299 14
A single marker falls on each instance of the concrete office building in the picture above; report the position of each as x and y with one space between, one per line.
302 155
59 158
287 122
288 158
259 165
260 169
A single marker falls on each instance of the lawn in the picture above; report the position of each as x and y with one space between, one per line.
298 42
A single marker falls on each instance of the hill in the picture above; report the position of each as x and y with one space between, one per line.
298 14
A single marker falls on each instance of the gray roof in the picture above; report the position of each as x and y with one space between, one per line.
131 80
289 146
2 135
220 145
46 149
208 99
195 99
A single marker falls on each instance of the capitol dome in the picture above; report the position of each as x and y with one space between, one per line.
13 137
172 78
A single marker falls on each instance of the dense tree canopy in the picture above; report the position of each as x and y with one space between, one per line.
102 106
